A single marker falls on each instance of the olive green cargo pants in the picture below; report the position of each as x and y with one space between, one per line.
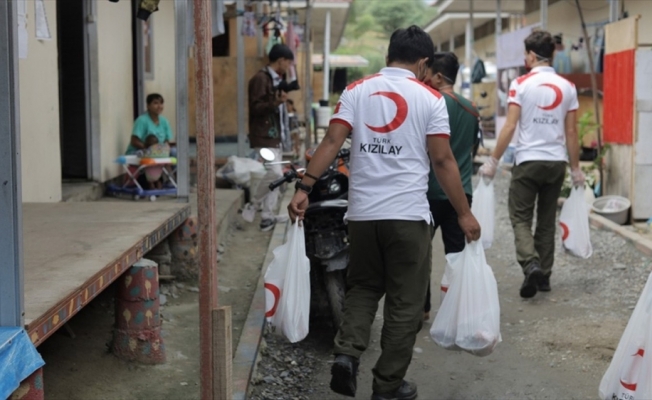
535 183
390 258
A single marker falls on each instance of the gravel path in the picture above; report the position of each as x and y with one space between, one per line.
556 345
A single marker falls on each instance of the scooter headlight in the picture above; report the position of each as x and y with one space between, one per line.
334 187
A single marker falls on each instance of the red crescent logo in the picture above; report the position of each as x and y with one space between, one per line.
564 231
632 386
401 113
558 97
276 292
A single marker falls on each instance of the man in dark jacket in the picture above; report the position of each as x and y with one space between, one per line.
266 109
464 125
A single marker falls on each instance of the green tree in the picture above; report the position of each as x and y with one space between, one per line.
394 14
365 23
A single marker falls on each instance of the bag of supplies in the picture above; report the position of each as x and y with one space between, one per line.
445 282
574 222
483 209
469 317
287 287
628 375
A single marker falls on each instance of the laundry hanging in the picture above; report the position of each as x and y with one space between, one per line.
249 24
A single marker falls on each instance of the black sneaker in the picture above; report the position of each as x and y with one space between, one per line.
344 375
544 284
407 391
532 278
267 225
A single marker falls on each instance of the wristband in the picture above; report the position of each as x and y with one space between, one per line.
305 188
311 176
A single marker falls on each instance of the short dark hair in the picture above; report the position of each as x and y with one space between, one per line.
410 45
447 64
153 97
279 51
540 43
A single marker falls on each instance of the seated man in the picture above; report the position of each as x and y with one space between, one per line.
150 123
151 136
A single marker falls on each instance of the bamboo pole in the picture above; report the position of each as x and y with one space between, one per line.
594 90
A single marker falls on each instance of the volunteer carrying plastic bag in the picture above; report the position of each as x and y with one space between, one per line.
484 210
287 287
574 222
469 317
628 375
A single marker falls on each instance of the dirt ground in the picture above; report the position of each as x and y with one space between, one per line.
82 368
555 346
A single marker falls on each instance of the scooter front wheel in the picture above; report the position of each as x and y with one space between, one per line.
336 289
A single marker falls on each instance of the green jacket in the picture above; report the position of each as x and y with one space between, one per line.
464 128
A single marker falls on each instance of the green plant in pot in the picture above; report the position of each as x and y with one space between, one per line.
586 125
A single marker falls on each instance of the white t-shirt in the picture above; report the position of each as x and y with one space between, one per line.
545 98
390 115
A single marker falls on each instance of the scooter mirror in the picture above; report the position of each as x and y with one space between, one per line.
267 154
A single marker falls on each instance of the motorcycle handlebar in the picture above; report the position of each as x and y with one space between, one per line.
276 183
292 175
288 177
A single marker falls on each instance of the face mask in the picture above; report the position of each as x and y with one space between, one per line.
527 67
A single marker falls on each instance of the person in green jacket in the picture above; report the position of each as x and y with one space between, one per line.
464 124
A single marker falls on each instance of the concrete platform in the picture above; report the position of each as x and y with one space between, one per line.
73 251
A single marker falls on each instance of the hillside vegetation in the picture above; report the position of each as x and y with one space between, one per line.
371 22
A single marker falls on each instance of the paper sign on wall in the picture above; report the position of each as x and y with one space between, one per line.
22 28
42 26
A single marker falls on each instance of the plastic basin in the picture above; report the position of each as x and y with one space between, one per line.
614 208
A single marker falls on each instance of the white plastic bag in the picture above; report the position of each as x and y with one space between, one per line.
445 282
483 209
241 171
574 222
249 212
469 317
625 378
287 287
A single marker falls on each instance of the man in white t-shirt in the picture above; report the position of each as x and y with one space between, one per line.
543 105
396 122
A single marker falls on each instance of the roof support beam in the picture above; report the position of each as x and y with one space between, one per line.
11 212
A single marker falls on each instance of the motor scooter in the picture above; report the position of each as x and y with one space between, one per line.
326 234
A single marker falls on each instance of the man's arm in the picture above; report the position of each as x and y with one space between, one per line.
573 146
323 157
572 140
507 133
168 139
505 138
137 143
448 176
137 134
